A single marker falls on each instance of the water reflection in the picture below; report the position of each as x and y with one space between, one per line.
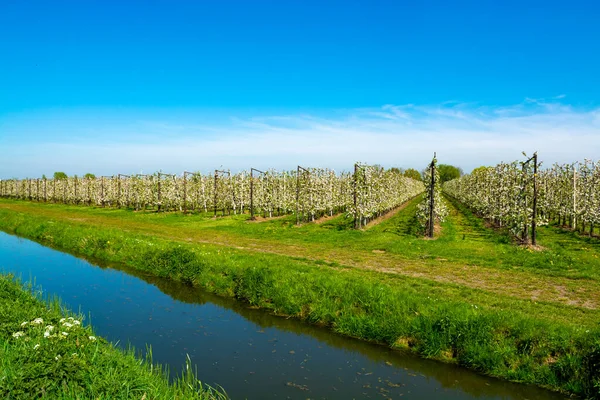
249 352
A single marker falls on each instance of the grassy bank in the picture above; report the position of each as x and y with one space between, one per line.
333 277
47 352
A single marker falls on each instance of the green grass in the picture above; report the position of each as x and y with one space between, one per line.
465 239
45 351
470 297
564 253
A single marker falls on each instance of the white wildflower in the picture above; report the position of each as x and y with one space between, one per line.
62 320
67 325
18 334
24 323
64 333
49 328
36 346
57 357
37 321
92 338
77 322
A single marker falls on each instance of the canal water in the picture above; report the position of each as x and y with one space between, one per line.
249 352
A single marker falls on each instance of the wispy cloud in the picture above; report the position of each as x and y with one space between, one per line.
466 135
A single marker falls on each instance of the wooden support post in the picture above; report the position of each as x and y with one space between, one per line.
229 180
297 195
432 198
574 224
251 194
89 191
524 234
534 212
185 191
119 191
158 197
215 196
355 188
217 173
252 191
359 221
304 170
102 191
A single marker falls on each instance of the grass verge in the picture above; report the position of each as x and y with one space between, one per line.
45 351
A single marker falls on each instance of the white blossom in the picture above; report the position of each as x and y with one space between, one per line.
320 191
504 194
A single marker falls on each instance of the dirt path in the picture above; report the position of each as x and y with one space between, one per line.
516 283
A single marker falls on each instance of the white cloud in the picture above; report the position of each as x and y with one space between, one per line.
392 135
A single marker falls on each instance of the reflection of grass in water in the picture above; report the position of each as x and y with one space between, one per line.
46 354
497 332
447 376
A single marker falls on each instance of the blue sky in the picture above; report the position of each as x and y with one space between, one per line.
111 87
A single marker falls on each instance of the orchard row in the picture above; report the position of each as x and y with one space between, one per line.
521 196
308 192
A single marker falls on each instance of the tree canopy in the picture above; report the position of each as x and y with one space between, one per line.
448 172
396 170
413 173
60 175
483 168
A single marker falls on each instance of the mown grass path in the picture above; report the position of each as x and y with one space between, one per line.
466 254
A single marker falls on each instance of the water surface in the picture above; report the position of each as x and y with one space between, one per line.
249 352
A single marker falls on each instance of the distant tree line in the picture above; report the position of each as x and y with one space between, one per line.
446 172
